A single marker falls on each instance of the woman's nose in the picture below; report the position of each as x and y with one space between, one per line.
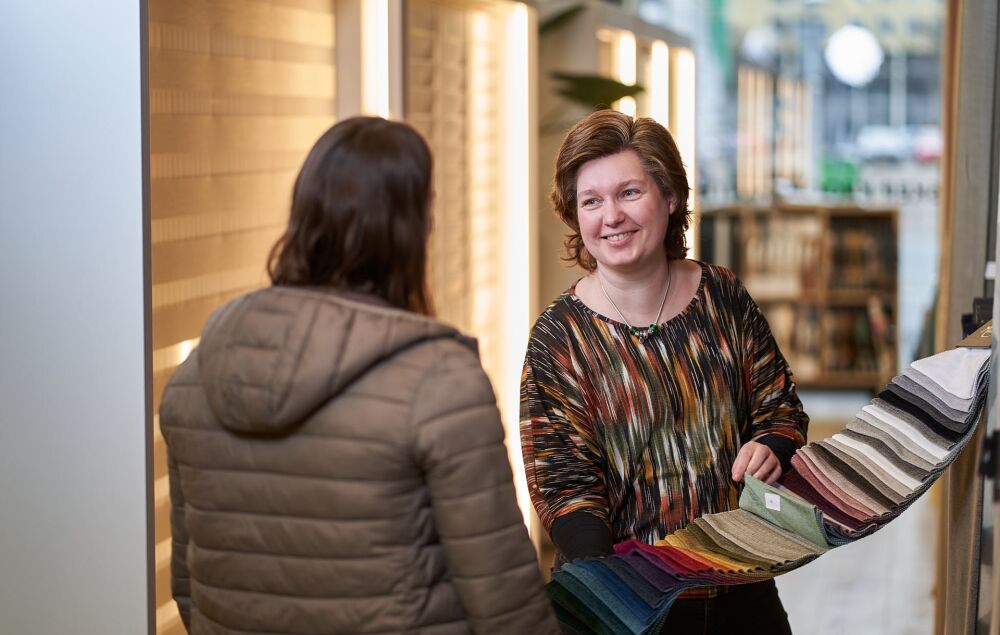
613 213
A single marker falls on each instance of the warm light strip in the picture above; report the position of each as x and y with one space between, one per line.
685 132
485 218
659 83
806 152
751 136
163 551
780 138
375 57
171 356
741 113
767 129
161 490
517 257
626 69
167 617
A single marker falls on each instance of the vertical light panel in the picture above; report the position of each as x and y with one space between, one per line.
753 158
742 104
438 97
517 252
468 91
804 159
784 140
684 130
753 132
375 57
396 62
792 166
658 82
483 209
765 128
626 63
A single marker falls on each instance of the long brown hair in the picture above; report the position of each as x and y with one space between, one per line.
606 132
360 216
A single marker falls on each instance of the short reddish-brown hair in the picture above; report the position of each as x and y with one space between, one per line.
606 132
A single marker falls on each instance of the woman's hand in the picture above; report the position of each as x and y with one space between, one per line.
759 460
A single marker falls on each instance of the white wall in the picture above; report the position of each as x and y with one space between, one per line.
73 411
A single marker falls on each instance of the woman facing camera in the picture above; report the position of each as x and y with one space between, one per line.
653 384
336 459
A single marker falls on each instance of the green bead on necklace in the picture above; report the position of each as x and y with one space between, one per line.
642 334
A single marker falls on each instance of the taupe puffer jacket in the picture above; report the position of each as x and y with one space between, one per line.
337 466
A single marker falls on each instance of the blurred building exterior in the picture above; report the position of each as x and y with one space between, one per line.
780 44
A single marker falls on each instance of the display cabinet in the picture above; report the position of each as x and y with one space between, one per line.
826 279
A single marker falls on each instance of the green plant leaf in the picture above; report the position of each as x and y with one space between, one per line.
554 22
594 90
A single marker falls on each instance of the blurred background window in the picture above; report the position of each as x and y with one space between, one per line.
818 149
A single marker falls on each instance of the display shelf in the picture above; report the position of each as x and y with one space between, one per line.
825 278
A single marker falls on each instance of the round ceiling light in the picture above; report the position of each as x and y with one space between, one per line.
854 55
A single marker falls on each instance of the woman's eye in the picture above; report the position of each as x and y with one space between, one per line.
590 202
631 192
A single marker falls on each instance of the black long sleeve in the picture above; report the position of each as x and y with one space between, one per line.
582 535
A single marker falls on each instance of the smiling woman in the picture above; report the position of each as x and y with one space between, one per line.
632 431
606 133
623 219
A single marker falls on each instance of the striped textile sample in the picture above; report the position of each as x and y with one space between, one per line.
838 490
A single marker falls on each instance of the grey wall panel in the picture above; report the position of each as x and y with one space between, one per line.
73 360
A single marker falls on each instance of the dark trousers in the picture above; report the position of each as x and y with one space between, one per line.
747 609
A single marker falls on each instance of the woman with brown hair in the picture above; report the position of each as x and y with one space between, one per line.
653 384
336 457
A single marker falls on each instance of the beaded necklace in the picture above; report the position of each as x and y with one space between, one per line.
644 333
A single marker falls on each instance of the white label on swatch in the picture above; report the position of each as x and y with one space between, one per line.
772 501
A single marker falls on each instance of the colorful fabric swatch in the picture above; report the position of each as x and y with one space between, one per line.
837 491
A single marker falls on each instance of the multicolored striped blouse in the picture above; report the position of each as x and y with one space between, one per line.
644 434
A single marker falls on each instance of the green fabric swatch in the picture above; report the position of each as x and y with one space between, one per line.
784 509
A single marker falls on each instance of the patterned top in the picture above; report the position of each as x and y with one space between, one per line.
644 434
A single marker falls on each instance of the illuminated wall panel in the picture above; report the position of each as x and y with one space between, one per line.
755 151
468 91
658 82
238 93
682 126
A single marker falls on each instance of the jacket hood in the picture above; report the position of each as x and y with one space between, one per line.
270 359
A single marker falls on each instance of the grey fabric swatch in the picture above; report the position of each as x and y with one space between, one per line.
913 452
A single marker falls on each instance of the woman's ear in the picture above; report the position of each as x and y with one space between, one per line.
671 205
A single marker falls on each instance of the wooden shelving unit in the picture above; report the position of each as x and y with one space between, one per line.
825 277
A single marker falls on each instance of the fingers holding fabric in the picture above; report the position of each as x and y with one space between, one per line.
774 475
759 461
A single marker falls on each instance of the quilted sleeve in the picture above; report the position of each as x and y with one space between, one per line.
180 580
460 447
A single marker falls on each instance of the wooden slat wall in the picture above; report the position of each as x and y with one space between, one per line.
453 74
239 92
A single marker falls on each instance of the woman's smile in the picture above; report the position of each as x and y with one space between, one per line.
621 236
